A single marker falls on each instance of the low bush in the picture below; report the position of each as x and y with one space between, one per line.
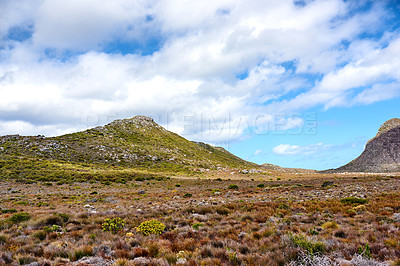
152 227
20 217
308 245
330 225
51 220
353 200
9 211
327 184
114 225
340 233
196 226
365 251
232 186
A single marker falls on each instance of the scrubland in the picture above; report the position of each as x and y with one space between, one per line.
306 219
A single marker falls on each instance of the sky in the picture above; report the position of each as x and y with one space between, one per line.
300 84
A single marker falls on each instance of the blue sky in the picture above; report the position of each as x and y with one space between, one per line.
294 83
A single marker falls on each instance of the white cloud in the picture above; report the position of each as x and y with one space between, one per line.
85 24
205 45
287 149
352 83
14 13
25 128
378 92
257 152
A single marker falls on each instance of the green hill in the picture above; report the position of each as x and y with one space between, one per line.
119 151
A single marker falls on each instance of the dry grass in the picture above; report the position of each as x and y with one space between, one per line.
284 221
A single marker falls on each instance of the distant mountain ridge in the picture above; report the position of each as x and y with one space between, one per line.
381 154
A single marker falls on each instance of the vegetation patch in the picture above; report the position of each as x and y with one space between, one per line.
353 200
311 246
20 217
113 225
152 227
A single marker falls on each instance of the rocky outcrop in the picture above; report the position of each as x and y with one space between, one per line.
388 125
381 154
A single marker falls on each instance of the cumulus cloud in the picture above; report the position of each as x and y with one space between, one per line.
215 70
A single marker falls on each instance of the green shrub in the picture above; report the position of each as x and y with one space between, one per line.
310 246
313 232
20 217
260 185
215 190
114 225
187 195
232 186
53 228
366 252
152 227
92 237
353 200
196 226
8 211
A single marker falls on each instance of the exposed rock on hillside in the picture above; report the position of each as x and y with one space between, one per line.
381 154
388 125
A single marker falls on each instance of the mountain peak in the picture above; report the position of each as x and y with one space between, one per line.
388 125
139 120
381 154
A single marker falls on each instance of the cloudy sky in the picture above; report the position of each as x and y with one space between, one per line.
293 83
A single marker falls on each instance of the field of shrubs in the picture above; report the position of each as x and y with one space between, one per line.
314 220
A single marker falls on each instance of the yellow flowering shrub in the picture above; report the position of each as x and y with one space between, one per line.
152 227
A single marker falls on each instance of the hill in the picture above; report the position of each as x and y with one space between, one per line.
137 145
381 154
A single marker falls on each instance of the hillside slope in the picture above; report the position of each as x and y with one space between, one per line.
381 154
137 143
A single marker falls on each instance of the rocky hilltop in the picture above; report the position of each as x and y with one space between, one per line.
381 154
120 151
135 142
